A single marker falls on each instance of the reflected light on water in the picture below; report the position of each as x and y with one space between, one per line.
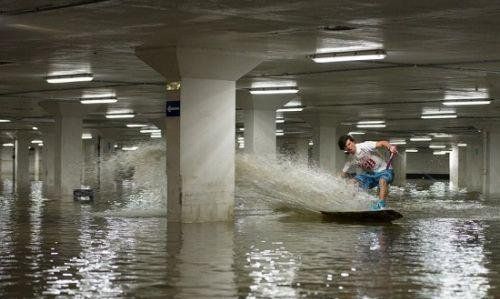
272 270
453 259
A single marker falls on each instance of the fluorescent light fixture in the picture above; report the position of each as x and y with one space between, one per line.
371 122
280 121
441 135
371 126
5 120
397 141
86 136
466 93
36 141
462 144
437 146
411 150
295 109
311 143
440 153
155 135
423 138
70 78
438 116
275 90
119 111
97 100
242 129
280 133
34 128
438 111
466 102
293 103
136 125
349 56
8 144
241 138
129 148
356 133
40 144
120 115
150 131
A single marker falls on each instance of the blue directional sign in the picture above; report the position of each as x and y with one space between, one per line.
173 108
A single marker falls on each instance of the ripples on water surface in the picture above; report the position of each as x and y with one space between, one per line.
445 247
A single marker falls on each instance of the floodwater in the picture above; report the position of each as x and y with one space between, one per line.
446 246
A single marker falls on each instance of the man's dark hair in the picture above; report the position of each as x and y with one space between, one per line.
343 139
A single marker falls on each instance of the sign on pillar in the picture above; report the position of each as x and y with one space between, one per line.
173 108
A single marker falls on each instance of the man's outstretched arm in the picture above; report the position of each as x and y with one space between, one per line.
387 145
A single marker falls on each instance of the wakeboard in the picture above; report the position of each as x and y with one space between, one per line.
386 215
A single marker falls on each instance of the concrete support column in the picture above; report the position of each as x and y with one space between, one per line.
105 169
474 165
453 160
67 146
462 167
260 132
399 166
7 166
201 145
260 122
90 171
22 175
207 149
48 160
491 184
325 154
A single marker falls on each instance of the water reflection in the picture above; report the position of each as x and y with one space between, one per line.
452 259
201 260
62 248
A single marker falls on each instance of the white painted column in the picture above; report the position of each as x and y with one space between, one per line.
462 167
69 149
106 170
206 130
474 165
454 174
90 169
260 122
325 138
207 149
492 161
22 175
399 166
260 132
174 186
67 146
49 154
7 166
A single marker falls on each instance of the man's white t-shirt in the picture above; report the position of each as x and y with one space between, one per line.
366 158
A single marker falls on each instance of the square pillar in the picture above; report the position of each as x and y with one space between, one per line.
200 144
22 174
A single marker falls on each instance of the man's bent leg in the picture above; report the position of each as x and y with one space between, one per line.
384 189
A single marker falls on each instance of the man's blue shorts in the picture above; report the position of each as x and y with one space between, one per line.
369 180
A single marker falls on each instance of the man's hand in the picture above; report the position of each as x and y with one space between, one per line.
393 149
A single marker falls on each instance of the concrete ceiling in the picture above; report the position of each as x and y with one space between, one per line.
433 48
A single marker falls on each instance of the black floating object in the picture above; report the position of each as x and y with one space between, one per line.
83 195
386 215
